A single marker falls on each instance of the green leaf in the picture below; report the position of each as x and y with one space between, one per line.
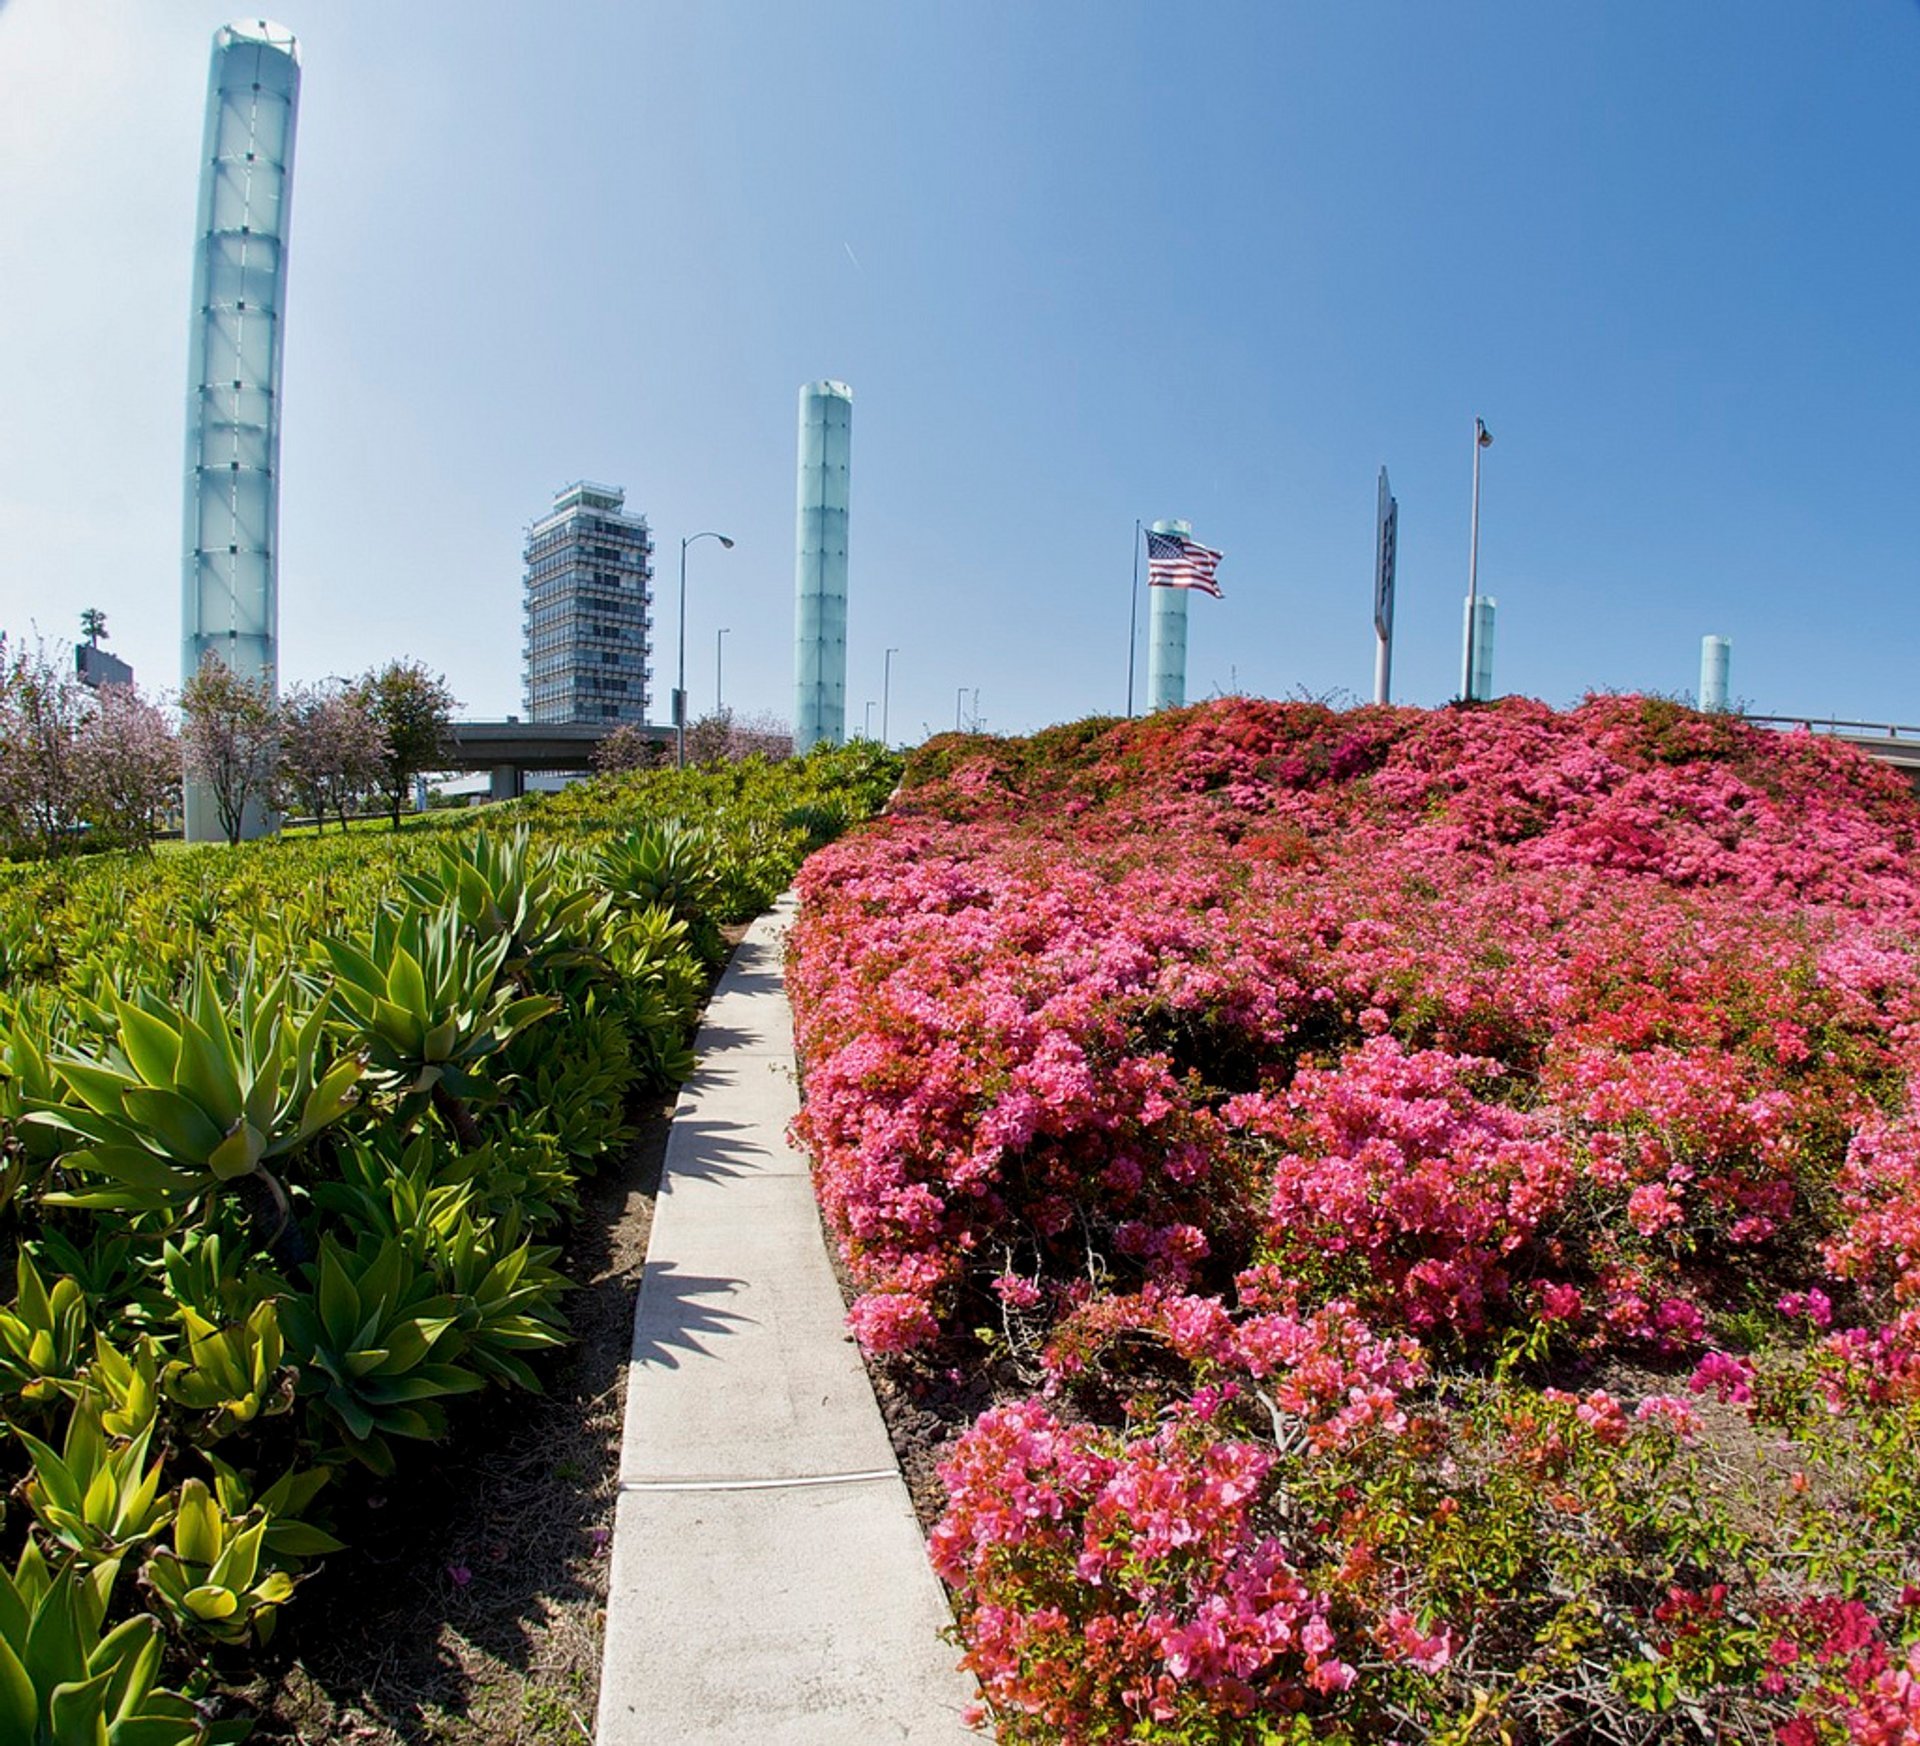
208 1071
55 1481
183 1129
238 1153
152 1045
78 1712
198 1533
339 1302
331 1098
210 1602
19 1708
406 985
54 1654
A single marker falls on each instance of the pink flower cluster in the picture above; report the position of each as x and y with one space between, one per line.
1132 1579
1254 1052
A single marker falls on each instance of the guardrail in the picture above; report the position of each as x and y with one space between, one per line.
1837 727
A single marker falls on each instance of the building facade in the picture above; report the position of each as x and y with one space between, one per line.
230 599
589 600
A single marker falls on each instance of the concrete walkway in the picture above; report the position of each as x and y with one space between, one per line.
769 1582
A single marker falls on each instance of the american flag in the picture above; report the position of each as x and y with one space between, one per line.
1173 562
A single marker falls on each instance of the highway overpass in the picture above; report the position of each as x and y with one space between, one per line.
507 750
1889 742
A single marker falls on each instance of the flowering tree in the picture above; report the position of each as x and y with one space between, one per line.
725 735
627 748
126 760
230 736
42 706
414 710
332 750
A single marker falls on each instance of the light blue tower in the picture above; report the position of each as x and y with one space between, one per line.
1716 663
1167 635
230 603
1479 613
820 566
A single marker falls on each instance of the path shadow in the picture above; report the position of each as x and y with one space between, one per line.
676 1313
757 975
706 1150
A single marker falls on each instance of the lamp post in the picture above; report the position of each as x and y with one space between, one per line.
680 685
719 651
957 696
886 694
1482 438
866 726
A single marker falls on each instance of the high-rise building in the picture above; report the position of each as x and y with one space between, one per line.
589 591
230 602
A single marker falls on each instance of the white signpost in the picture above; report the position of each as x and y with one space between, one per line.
1384 554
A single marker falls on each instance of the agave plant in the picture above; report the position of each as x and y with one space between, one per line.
427 1003
62 1683
502 887
291 1539
668 864
211 1580
505 1296
43 1337
185 1100
99 1496
392 1186
375 1340
232 1375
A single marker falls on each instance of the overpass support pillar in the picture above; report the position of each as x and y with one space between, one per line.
507 783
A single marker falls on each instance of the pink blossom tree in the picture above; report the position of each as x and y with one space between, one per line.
332 751
627 748
42 707
126 766
230 733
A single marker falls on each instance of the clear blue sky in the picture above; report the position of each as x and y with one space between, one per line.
1080 263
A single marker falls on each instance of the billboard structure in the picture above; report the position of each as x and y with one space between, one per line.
1385 557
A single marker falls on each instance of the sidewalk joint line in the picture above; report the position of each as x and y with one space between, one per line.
627 1485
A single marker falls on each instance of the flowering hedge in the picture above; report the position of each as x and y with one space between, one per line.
1446 1185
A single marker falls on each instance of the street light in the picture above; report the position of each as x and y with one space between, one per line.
886 695
956 707
866 727
680 687
719 647
1482 438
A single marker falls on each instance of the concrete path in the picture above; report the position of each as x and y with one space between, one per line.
769 1582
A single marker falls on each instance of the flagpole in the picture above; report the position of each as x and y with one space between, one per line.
1133 619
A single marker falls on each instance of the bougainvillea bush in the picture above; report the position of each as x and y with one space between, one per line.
1440 1195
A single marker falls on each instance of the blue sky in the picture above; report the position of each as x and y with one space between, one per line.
1080 263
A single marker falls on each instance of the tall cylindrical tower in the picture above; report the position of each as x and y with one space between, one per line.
230 603
1480 614
820 566
1167 635
1716 663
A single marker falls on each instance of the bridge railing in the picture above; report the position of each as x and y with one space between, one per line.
1834 725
